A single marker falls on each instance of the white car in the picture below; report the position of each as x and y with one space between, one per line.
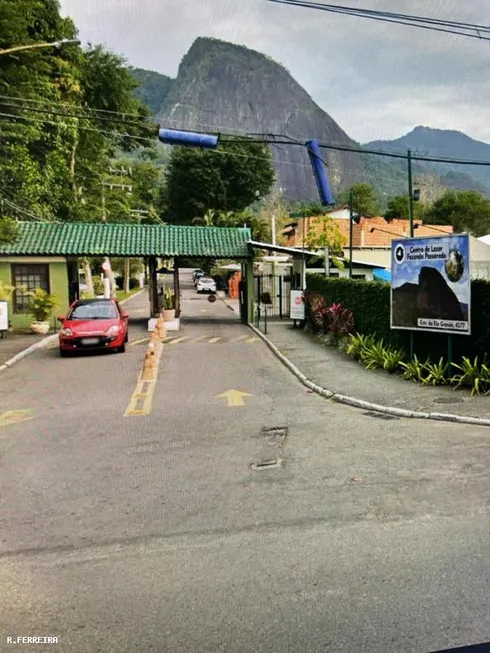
205 284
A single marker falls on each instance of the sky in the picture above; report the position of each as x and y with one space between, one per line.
378 81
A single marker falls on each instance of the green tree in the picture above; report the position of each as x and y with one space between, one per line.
224 180
56 140
328 235
364 200
467 211
398 207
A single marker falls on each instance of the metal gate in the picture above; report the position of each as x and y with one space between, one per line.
278 287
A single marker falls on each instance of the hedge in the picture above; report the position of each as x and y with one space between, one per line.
370 303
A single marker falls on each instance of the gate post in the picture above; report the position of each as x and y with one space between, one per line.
247 314
280 296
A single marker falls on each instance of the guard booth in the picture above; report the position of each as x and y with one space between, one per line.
59 246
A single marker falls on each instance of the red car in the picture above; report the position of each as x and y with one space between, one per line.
92 324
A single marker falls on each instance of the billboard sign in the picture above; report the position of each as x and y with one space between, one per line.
430 284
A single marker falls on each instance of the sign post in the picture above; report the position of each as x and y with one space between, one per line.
430 285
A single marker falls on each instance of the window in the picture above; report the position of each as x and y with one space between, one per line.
96 310
30 277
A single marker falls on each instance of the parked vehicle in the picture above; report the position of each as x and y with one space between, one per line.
205 284
92 324
196 275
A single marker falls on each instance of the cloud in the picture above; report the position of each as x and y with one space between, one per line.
377 80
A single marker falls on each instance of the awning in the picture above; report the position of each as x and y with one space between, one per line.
381 274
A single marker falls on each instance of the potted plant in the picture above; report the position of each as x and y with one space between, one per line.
41 308
6 292
168 306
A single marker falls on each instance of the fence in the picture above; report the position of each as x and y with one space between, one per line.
278 287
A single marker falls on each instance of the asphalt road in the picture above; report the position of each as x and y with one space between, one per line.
190 529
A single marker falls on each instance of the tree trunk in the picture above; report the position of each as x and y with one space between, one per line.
88 276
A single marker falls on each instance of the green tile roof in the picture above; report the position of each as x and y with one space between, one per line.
79 239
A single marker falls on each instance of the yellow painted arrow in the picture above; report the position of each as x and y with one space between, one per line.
234 397
15 416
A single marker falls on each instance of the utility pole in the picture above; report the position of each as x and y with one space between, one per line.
351 230
410 192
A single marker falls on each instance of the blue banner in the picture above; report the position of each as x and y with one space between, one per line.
430 284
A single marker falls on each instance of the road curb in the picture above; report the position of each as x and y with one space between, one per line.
46 341
29 350
361 403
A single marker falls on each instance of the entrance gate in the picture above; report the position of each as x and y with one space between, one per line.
278 287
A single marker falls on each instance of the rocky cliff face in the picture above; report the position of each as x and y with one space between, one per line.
228 88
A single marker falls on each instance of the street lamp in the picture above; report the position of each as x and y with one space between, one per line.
38 46
428 226
353 217
392 233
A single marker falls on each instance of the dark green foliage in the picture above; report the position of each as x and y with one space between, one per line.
201 180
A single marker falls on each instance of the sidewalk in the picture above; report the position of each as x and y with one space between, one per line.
15 343
334 371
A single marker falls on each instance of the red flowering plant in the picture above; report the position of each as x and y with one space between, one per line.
317 311
340 322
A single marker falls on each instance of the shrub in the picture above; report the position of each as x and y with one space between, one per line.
134 283
42 304
98 285
373 355
392 359
357 344
369 301
340 321
472 375
414 370
436 373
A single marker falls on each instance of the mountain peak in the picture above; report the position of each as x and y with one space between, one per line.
228 88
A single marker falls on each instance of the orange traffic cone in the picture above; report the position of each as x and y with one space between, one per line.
148 366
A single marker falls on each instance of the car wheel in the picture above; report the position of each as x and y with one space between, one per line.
121 349
63 353
126 337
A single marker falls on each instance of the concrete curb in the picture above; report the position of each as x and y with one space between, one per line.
29 350
46 341
360 403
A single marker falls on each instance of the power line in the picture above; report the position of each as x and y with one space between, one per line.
471 30
88 129
79 116
68 105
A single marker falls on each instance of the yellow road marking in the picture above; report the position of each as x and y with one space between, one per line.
15 416
141 401
199 339
234 397
53 346
213 340
240 338
138 342
176 341
251 340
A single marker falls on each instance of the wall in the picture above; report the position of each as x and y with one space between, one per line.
58 280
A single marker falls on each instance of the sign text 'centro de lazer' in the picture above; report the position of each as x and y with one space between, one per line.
430 284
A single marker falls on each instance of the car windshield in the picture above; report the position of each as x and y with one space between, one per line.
93 311
206 280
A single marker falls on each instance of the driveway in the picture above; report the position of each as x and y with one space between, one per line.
242 514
